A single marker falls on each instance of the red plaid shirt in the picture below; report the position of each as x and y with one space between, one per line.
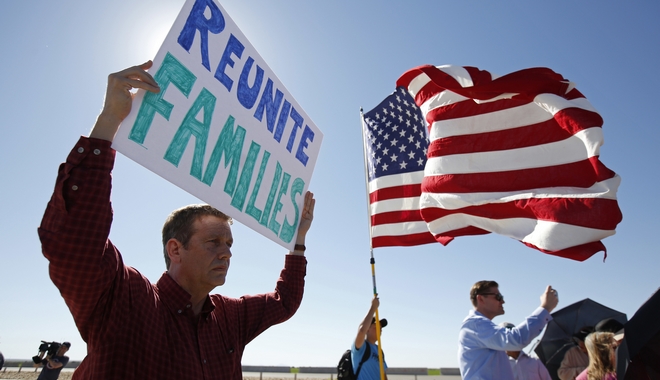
135 329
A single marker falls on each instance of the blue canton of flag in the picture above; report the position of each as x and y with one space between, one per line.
396 139
395 148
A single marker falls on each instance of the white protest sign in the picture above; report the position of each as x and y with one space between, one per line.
223 127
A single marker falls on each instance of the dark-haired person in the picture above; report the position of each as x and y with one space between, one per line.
576 358
365 344
482 343
53 364
173 329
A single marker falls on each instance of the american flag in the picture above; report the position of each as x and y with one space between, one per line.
395 149
516 155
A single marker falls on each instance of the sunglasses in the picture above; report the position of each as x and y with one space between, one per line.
498 296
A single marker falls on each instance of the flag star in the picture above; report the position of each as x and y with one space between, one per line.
408 122
387 136
379 145
402 148
411 138
403 165
386 151
399 107
400 119
394 157
394 142
378 160
395 128
380 131
408 113
385 166
417 144
402 133
388 124
411 155
420 162
391 104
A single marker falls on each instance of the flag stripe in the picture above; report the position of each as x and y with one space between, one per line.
403 241
452 201
544 132
578 174
559 210
577 148
549 236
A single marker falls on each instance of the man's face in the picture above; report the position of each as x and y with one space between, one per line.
205 261
583 348
489 305
371 333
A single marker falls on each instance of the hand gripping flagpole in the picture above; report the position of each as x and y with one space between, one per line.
372 261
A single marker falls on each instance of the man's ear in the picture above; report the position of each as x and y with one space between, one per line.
173 248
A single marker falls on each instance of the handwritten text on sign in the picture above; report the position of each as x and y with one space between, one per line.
223 127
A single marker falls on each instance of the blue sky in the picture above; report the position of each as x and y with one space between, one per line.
334 57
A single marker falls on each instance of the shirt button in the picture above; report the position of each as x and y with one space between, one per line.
188 306
74 187
204 361
81 149
97 151
180 311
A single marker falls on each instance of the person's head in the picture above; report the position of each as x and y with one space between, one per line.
371 333
581 335
63 348
197 241
487 299
509 326
611 325
600 347
179 224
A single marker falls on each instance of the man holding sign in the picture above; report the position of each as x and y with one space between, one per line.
173 329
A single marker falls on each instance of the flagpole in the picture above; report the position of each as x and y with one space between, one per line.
372 261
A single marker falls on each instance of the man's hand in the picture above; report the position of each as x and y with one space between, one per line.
549 299
306 217
119 98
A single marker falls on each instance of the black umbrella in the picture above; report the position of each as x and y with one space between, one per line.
639 353
558 335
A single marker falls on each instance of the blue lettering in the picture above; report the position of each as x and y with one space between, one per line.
234 46
247 95
308 135
196 21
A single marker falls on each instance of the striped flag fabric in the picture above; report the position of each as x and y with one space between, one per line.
516 155
395 144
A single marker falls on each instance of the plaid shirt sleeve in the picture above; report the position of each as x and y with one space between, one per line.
75 227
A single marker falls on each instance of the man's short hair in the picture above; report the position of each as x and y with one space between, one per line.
179 224
481 287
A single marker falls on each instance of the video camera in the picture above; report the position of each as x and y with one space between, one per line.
48 348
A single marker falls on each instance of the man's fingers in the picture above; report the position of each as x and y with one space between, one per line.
134 83
136 77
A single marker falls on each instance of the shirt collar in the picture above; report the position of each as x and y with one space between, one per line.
176 298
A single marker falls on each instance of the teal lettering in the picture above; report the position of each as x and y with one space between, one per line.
230 142
271 195
238 200
286 234
251 209
191 126
274 225
170 71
